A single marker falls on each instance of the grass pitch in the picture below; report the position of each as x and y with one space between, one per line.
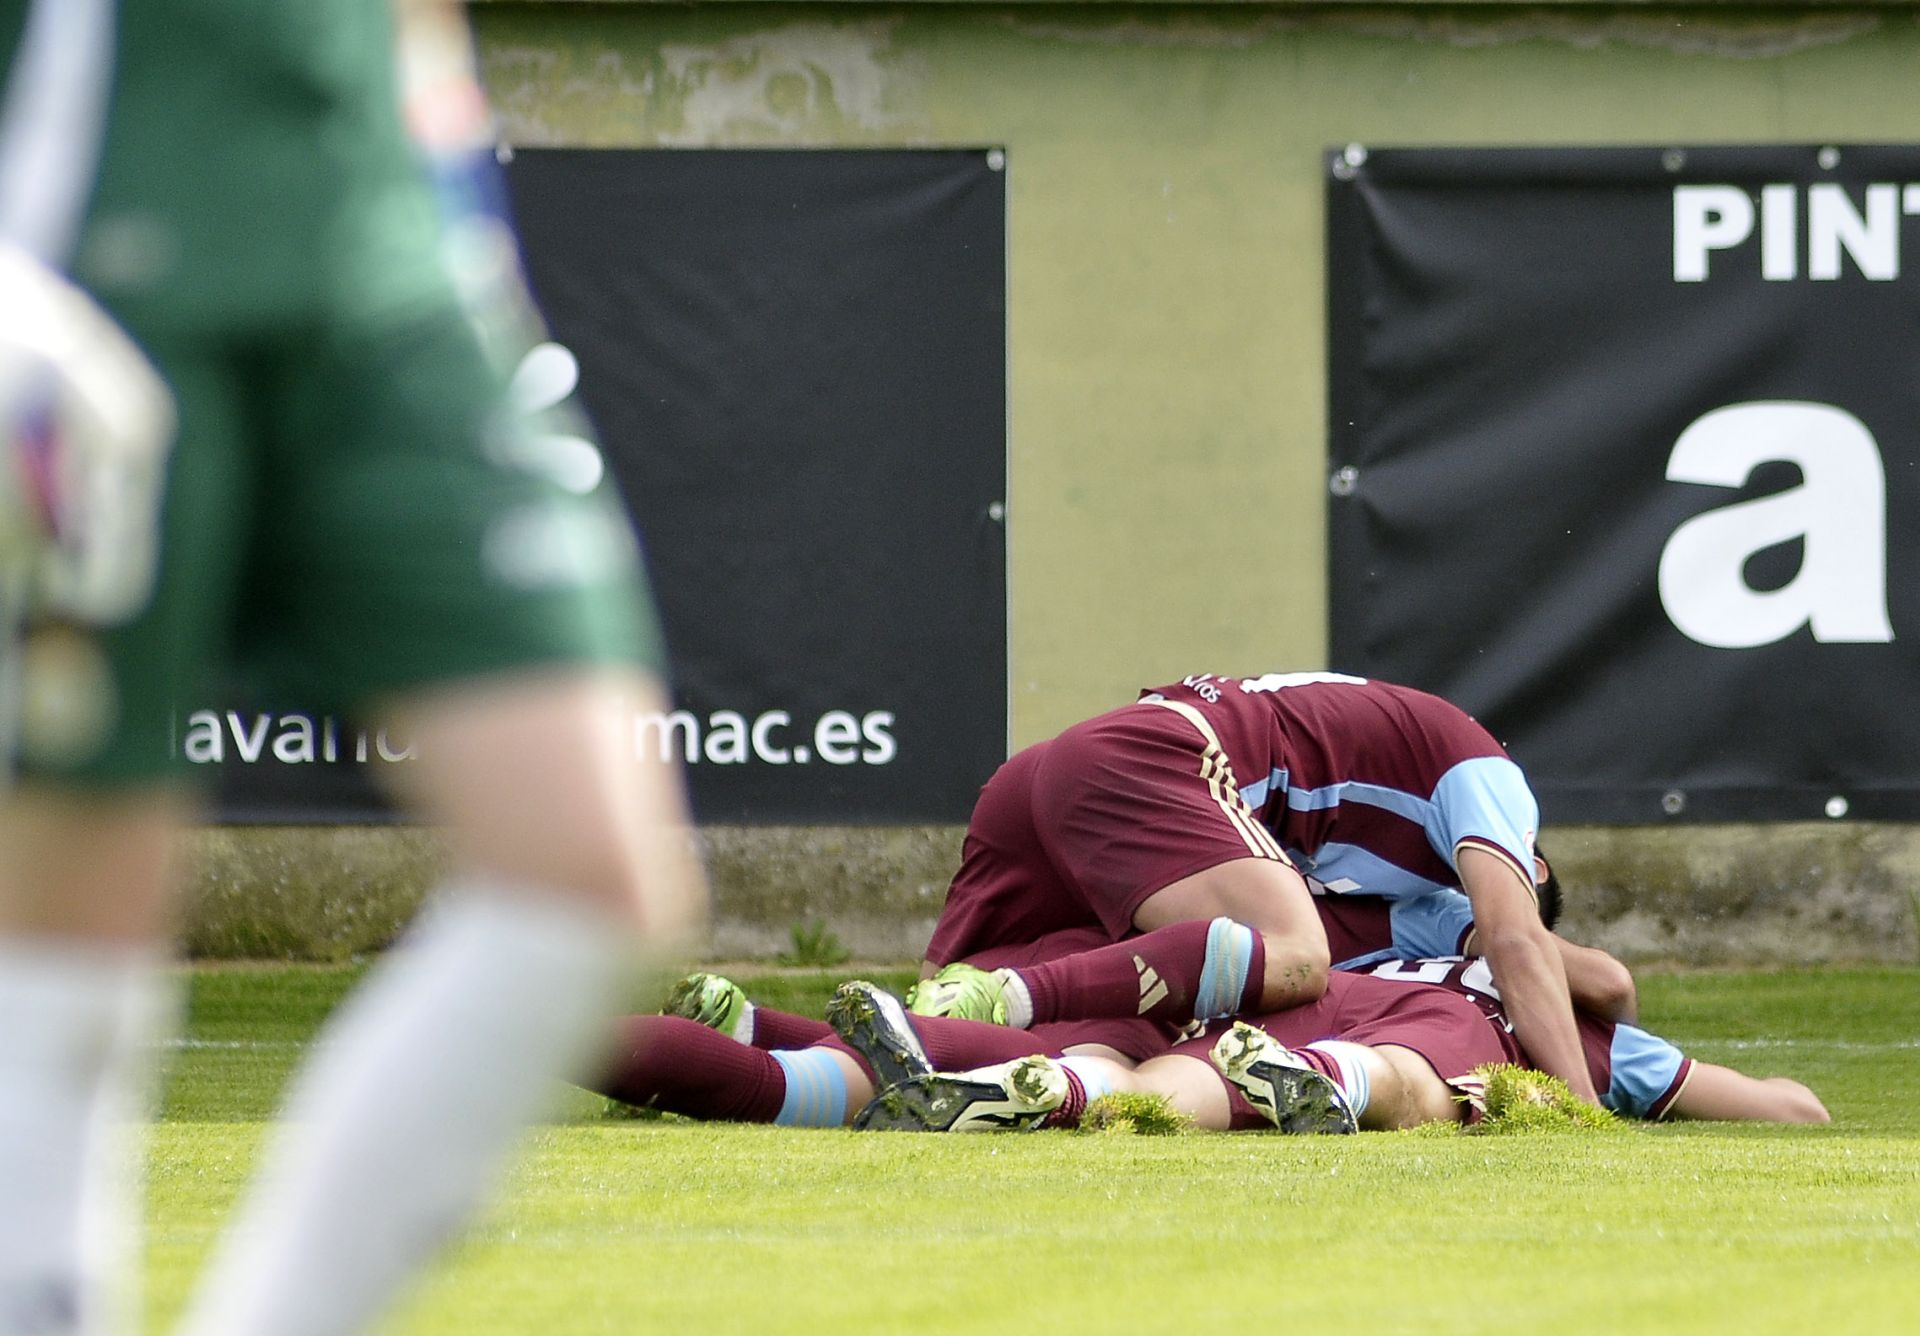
611 1224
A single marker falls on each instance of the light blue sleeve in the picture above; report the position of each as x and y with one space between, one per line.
1485 798
1644 1069
1434 924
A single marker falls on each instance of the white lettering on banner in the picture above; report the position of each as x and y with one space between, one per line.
1838 511
726 742
290 739
1720 217
725 737
762 737
838 737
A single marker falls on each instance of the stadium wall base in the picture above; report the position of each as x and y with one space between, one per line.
1706 895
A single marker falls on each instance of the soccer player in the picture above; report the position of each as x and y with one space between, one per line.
1363 930
1188 818
1392 1048
356 519
820 1079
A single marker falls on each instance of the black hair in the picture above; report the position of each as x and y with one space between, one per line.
1548 892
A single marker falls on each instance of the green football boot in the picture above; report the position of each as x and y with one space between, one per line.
1293 1096
963 993
1012 1096
715 1002
877 1027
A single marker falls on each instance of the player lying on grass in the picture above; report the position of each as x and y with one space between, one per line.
1183 824
1394 1048
1405 1044
682 1070
1362 931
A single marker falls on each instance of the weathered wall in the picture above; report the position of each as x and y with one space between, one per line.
1702 895
330 894
1166 363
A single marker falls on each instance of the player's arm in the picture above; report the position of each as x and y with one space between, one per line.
1721 1093
1598 984
1527 966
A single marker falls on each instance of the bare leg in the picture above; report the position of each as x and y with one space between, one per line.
565 844
85 902
1406 1091
1267 896
1191 1085
1240 937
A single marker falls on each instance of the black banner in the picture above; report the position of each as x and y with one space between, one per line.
1625 459
796 363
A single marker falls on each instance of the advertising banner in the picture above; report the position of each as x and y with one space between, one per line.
796 364
1625 459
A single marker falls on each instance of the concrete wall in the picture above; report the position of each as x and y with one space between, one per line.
1166 342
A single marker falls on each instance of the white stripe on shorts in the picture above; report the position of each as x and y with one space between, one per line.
1217 771
51 125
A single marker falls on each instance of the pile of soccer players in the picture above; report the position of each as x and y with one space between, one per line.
1351 940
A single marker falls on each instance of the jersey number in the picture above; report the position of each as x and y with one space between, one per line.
1477 977
1281 681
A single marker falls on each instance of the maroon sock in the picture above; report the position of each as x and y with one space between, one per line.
671 1063
1242 1116
1075 1104
955 1045
782 1029
1324 1064
1160 974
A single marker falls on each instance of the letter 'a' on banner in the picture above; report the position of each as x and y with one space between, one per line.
1624 457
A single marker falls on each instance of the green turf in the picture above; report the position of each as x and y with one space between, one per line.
620 1226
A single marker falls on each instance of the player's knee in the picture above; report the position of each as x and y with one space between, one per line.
1417 1094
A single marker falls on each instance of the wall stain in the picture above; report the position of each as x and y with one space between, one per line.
798 83
1750 36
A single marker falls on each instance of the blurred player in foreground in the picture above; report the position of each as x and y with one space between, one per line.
356 518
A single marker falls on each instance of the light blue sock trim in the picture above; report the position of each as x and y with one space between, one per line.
816 1088
1096 1077
1223 971
1355 1084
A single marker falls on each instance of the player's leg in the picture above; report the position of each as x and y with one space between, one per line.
1400 1054
84 426
681 1066
86 896
1214 859
1016 1095
1184 965
1191 1085
499 623
1208 915
721 1004
1270 898
898 1046
1407 1091
83 998
565 847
